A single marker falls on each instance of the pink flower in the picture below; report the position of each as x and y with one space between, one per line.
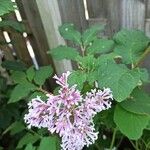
63 80
69 114
38 115
83 133
69 96
97 100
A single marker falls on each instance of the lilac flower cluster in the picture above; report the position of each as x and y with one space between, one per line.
69 114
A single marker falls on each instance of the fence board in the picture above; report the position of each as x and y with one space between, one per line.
5 48
51 24
19 43
97 8
133 14
113 15
20 47
35 24
73 11
17 40
147 8
147 27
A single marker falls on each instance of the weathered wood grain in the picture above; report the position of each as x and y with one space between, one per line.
97 8
147 27
113 15
51 19
19 43
147 3
17 40
38 36
5 48
108 10
133 14
72 11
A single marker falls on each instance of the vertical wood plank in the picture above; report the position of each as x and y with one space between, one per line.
51 19
73 11
113 15
38 36
20 47
147 8
5 48
97 8
147 27
18 41
133 14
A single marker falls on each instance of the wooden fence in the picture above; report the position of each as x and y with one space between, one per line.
42 18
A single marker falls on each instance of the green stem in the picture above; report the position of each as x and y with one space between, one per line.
142 57
113 139
147 146
136 143
43 91
119 142
83 51
133 144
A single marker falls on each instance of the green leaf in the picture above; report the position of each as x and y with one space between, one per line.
15 128
30 73
5 113
148 126
3 84
131 44
64 52
139 102
91 77
118 78
87 63
48 143
18 77
69 32
28 138
144 74
130 124
13 24
105 117
6 6
91 34
38 93
30 147
20 91
78 78
42 74
104 58
100 46
14 65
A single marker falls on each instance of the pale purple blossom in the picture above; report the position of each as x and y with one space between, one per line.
69 113
80 135
97 100
38 115
63 80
